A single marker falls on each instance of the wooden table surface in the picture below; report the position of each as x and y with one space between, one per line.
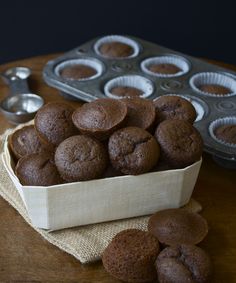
26 257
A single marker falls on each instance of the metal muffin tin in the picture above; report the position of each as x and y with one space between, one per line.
88 90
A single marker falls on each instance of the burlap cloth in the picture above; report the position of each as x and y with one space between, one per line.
86 243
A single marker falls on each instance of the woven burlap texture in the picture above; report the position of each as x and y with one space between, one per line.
86 243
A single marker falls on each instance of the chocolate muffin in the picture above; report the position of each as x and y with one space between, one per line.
100 118
81 158
174 107
226 133
177 226
53 123
38 169
141 113
126 91
215 89
164 68
181 144
78 72
116 49
133 150
25 141
183 264
131 255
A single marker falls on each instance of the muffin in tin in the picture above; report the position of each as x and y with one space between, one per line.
165 66
129 86
213 84
82 69
223 130
116 47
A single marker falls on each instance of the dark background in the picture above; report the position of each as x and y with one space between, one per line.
202 29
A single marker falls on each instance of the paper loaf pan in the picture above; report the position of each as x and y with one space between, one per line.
81 203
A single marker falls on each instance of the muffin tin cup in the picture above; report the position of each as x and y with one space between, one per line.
199 108
115 38
221 122
135 81
178 61
93 63
206 78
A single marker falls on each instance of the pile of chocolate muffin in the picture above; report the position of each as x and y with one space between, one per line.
104 138
167 252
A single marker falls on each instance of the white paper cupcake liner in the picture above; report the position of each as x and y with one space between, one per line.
93 63
196 104
129 81
220 122
119 38
178 61
213 78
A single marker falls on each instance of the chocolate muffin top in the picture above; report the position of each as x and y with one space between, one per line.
141 113
178 226
183 264
38 169
174 107
116 49
215 89
25 141
226 133
100 118
53 123
133 150
130 256
81 158
126 91
164 68
78 72
181 144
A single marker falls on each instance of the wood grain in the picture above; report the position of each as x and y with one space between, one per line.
26 257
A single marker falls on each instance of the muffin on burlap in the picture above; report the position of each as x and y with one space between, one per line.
100 118
181 144
183 264
133 150
25 141
38 169
174 107
141 113
81 158
53 123
131 255
177 226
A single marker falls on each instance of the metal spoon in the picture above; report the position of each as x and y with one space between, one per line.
21 105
